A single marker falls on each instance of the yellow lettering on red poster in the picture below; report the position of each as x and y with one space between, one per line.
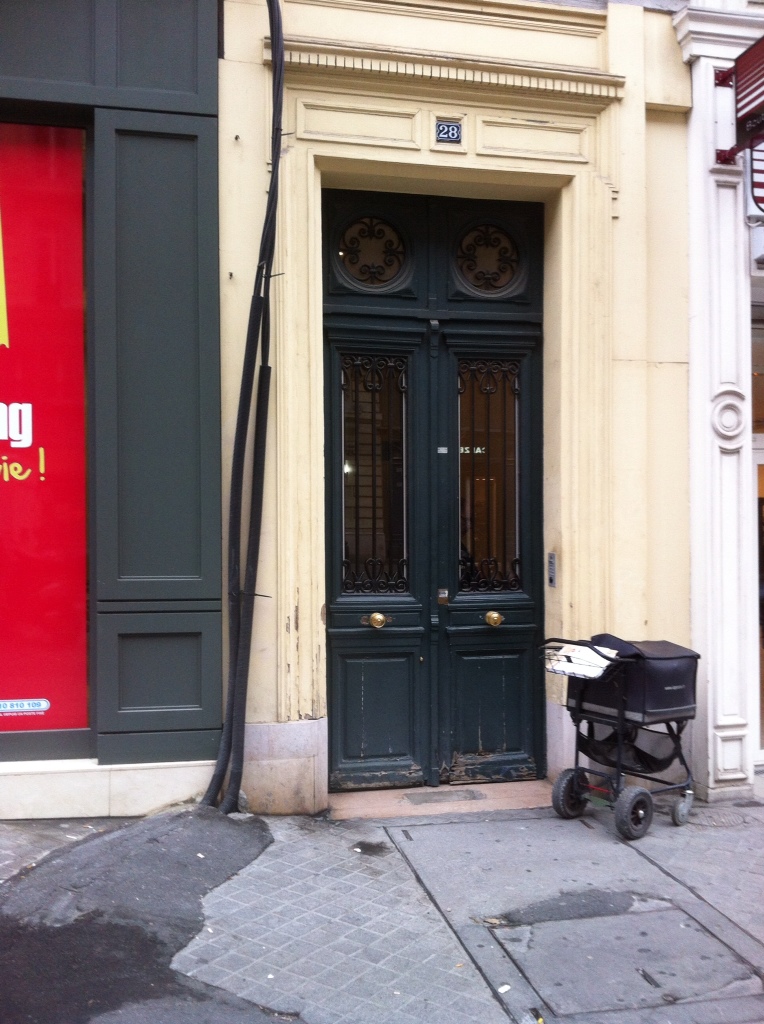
4 339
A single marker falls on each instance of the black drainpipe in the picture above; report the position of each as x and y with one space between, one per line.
241 600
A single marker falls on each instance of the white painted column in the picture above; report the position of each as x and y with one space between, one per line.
724 567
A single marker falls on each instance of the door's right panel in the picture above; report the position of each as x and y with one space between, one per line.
491 679
493 706
488 260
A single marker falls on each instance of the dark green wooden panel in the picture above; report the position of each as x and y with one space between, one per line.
158 671
48 39
377 706
139 54
157 45
493 703
213 605
142 747
156 358
343 214
158 449
489 689
524 224
427 232
375 725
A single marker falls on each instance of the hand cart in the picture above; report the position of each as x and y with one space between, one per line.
630 704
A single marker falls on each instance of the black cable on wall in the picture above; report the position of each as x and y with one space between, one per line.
241 597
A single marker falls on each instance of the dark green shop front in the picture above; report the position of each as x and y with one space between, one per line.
434 489
135 82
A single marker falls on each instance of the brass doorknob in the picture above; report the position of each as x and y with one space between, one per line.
377 620
493 618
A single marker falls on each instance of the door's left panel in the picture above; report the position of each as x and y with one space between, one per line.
376 622
155 396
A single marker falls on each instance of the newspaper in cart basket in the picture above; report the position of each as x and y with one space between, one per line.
584 661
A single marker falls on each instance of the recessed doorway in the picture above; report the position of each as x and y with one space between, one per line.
432 317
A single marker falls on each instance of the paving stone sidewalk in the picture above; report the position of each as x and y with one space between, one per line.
563 898
392 923
411 921
719 854
331 923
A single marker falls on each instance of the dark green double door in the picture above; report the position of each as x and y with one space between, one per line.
434 489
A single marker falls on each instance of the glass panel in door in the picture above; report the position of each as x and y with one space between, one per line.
374 474
489 628
488 485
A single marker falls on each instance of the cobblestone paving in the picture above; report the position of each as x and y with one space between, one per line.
331 923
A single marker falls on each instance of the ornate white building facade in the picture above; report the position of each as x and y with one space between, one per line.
723 485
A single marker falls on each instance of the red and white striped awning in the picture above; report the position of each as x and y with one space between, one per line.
749 93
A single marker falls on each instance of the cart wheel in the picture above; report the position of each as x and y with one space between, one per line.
566 793
680 809
633 812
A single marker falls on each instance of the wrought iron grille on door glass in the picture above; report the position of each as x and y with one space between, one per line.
372 252
487 261
488 486
374 474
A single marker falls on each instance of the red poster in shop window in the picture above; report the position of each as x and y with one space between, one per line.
43 624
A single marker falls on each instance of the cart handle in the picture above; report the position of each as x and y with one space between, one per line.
579 643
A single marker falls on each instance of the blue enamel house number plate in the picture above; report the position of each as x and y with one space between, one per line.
448 131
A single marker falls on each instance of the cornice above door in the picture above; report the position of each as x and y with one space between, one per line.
595 89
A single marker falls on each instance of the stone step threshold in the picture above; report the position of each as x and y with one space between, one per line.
431 800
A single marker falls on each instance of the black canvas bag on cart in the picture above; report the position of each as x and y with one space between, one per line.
657 676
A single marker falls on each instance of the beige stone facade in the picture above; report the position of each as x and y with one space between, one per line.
584 110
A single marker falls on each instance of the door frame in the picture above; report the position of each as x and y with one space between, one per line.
579 520
437 705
